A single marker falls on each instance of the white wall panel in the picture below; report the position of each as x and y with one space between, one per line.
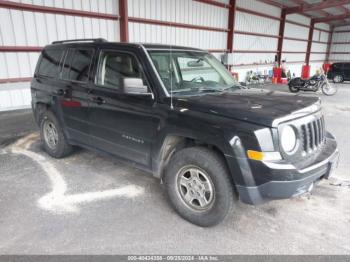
292 30
249 58
341 37
99 6
14 96
293 57
295 46
260 7
257 24
318 57
22 28
180 11
299 19
318 47
322 26
249 42
343 28
320 36
339 57
340 48
204 39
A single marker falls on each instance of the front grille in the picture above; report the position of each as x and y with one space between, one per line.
313 135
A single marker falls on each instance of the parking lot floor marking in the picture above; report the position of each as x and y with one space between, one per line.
57 201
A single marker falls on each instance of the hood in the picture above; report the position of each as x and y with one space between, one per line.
257 106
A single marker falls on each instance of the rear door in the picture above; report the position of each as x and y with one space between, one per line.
74 86
346 71
122 124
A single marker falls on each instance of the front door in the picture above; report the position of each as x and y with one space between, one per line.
122 124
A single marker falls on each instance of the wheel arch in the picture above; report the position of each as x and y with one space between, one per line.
174 143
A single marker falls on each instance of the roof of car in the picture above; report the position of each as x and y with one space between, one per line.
102 42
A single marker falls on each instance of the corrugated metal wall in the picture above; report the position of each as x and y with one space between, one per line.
340 48
179 11
23 28
252 52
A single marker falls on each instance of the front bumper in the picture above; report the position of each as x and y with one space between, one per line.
288 180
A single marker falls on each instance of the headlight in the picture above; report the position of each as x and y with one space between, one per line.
288 139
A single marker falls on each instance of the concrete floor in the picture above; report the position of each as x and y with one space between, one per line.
92 204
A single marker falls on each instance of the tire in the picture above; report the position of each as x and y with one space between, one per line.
293 89
328 91
212 174
338 79
52 137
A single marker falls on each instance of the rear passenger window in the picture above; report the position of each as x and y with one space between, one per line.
77 65
50 62
114 67
337 66
347 66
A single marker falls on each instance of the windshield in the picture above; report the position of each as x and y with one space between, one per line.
188 72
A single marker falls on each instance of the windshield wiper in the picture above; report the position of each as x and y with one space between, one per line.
233 86
197 89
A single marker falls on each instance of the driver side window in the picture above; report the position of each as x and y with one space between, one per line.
114 67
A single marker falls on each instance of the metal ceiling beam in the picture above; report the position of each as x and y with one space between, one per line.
332 18
343 8
271 2
315 7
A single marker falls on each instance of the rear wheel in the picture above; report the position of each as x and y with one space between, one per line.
293 89
52 137
198 186
338 79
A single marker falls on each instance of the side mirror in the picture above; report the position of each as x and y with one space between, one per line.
135 86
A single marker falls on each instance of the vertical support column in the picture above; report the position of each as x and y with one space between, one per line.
231 25
329 45
281 36
124 21
309 43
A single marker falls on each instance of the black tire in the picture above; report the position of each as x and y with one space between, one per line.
293 89
338 79
62 148
214 167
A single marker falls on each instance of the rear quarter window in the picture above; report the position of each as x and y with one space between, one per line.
49 63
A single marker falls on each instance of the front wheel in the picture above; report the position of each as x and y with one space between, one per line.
198 186
328 89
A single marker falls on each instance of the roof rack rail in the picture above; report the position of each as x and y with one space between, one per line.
95 40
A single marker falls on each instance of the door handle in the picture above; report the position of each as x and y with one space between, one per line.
60 92
98 100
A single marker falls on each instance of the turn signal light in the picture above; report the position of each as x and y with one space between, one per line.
266 156
255 155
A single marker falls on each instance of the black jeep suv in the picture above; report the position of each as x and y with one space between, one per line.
177 113
339 72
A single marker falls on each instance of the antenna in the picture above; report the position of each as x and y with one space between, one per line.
170 65
171 76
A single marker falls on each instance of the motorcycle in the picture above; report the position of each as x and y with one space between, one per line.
313 84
